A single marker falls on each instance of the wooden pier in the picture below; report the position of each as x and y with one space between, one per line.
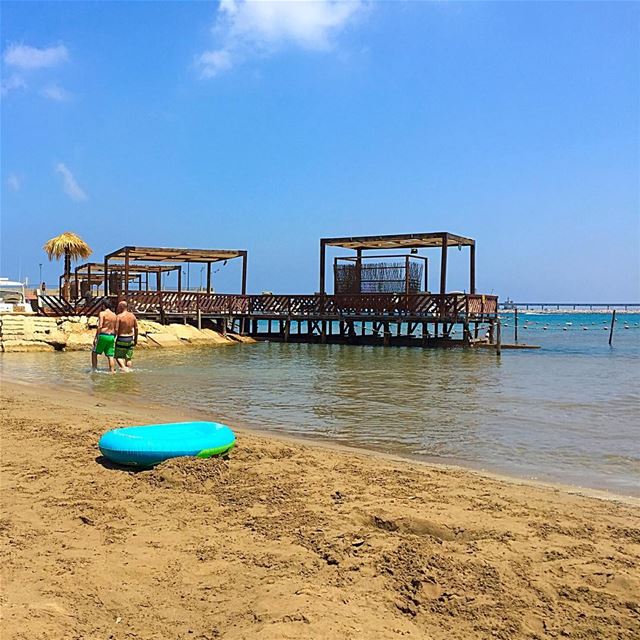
377 299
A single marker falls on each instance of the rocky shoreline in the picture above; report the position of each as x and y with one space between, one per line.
24 333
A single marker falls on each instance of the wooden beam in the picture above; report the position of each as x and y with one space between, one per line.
244 273
208 277
407 280
126 273
322 267
443 264
472 269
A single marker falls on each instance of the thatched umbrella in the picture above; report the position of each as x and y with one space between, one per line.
72 247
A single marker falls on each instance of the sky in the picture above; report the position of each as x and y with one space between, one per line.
268 125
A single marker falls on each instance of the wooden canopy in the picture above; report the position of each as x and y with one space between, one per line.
163 254
97 268
401 241
437 239
93 273
127 255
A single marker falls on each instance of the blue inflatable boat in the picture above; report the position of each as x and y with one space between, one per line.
149 445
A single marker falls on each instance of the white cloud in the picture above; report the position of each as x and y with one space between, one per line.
250 27
14 182
26 57
57 93
12 83
69 184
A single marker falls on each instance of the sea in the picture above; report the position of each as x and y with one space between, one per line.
566 413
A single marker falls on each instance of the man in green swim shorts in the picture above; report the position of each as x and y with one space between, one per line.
104 342
126 336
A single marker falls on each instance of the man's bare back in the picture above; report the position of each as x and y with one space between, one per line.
126 323
107 322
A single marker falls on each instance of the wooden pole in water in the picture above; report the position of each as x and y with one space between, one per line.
516 324
613 321
498 337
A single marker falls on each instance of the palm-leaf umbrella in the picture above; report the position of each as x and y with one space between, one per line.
72 247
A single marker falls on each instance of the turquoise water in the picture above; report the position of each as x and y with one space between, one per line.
568 412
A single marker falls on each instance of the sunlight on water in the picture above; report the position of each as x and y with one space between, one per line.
567 412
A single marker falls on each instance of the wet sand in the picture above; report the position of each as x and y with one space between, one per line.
291 540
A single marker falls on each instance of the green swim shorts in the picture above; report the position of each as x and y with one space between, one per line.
124 348
105 344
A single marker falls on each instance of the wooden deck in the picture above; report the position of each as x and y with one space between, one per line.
452 307
420 319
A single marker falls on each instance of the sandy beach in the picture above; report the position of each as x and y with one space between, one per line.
291 540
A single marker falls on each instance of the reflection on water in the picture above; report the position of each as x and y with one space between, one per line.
568 412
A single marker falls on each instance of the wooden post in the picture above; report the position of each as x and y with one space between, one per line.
159 280
322 268
386 339
244 273
199 318
443 264
498 337
359 270
426 274
179 279
472 268
126 272
515 320
106 276
613 321
466 334
89 278
208 277
407 281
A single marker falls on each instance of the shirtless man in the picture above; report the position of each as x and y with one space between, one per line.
126 336
105 339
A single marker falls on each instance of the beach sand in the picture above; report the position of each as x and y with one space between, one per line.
291 540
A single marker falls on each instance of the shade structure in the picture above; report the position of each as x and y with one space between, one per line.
126 258
427 240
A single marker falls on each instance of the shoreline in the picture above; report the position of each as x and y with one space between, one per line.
291 539
311 441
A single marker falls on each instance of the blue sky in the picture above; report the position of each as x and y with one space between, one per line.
268 125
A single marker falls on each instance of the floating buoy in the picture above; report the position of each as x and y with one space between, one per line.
564 328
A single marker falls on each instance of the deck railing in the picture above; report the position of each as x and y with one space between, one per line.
453 306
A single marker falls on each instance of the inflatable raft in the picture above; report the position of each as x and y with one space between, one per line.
146 446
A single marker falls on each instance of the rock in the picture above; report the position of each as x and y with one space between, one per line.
164 340
70 326
184 332
148 326
215 337
238 338
77 341
55 338
25 346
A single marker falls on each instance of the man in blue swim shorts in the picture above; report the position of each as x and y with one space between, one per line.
126 336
